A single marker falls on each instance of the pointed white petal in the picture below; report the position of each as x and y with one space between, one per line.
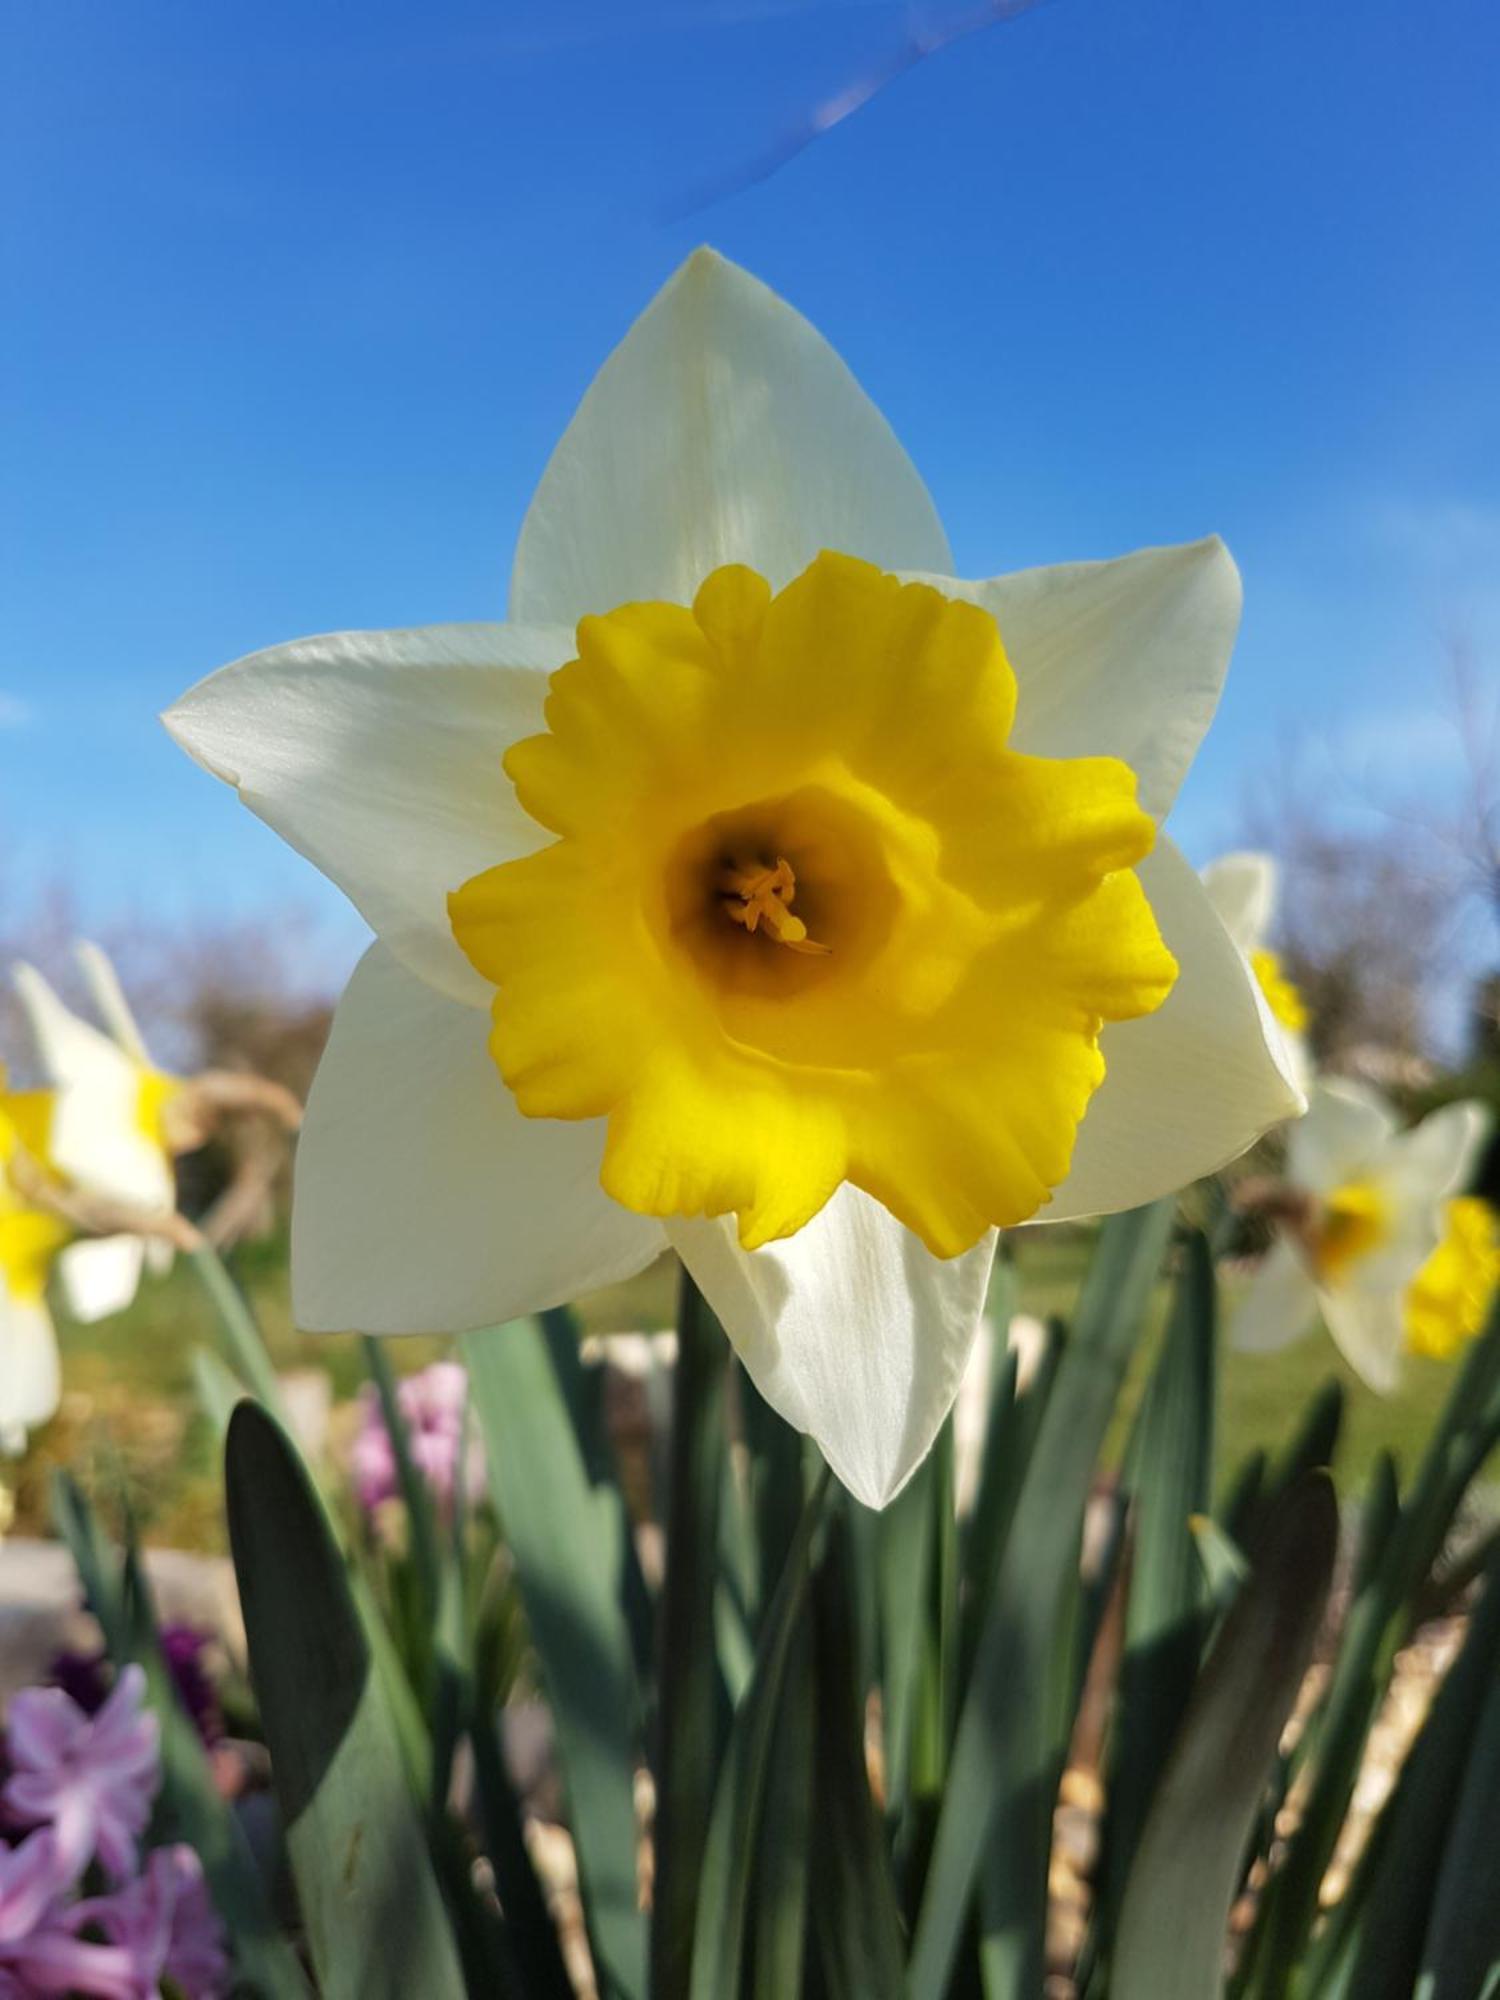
30 1371
722 429
1242 889
377 755
101 1275
851 1329
1118 659
423 1201
1280 1306
108 996
98 1138
1343 1138
1437 1158
1190 1087
1368 1324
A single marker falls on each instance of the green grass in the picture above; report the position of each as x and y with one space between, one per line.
129 1423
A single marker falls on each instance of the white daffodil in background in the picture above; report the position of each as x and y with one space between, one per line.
31 1237
1361 1213
1451 1297
760 890
109 1141
1242 888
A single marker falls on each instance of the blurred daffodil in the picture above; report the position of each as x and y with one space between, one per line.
1242 889
109 1140
1360 1214
31 1237
817 896
1450 1298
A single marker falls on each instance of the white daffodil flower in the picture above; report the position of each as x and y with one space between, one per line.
816 895
1364 1212
108 1137
1242 889
30 1241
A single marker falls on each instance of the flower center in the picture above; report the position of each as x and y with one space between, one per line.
809 918
1355 1220
760 898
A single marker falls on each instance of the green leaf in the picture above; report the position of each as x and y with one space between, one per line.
567 1576
1170 1943
1164 1616
729 1855
189 1806
1461 1954
855 1914
1372 1943
1466 1433
375 1917
1315 1440
997 1808
529 1927
691 1703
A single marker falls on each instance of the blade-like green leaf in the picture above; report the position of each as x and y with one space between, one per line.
1165 1605
1371 1945
729 1855
375 1916
1461 1954
997 1809
691 1705
567 1575
1171 1938
529 1926
1315 1440
190 1806
1466 1433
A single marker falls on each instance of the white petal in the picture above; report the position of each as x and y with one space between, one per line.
101 1275
1118 659
851 1329
423 1201
1368 1324
377 755
1190 1087
1242 889
1280 1307
97 1138
1344 1136
1437 1158
30 1371
108 995
723 428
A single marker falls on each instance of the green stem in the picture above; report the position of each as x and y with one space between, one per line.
690 1711
244 1343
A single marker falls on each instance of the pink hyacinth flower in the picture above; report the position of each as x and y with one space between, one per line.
433 1403
90 1778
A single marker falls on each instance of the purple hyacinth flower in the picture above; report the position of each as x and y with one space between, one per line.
40 1953
90 1778
168 1926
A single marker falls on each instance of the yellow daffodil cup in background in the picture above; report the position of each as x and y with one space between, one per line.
760 889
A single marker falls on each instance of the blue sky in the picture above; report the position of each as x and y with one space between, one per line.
301 296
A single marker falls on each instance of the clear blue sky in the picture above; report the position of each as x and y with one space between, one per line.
299 295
